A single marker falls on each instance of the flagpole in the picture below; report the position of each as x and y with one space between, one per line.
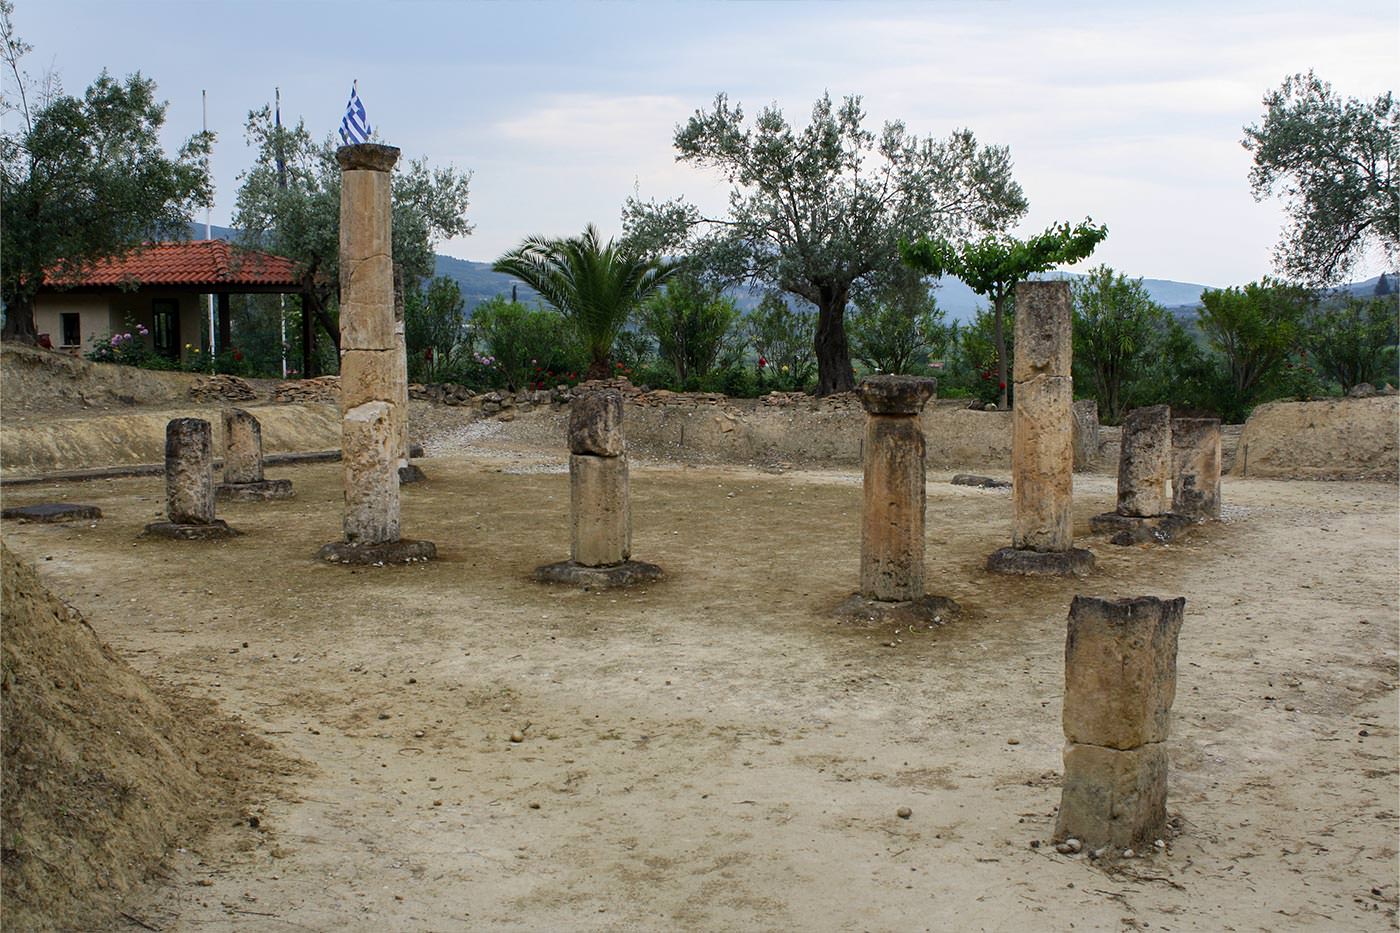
213 326
281 183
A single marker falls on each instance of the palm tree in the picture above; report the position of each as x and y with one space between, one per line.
594 286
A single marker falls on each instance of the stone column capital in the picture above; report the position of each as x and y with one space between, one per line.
896 395
372 157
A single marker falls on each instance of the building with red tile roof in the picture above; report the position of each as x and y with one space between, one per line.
159 288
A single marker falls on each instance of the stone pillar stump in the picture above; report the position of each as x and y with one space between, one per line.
1042 438
189 483
372 402
1120 681
892 516
243 461
1144 467
1196 468
600 516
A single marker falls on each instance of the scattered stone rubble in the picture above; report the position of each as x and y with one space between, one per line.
222 388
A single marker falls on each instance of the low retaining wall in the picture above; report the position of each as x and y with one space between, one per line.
1345 438
88 441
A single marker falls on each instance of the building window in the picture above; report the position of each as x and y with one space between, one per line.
165 328
71 324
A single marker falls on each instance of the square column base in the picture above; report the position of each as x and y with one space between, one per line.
403 551
1076 561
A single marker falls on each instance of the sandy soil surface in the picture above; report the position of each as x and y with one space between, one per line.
714 752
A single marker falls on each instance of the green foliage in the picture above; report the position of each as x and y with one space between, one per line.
895 330
595 286
435 336
1354 341
1335 161
522 343
693 325
84 178
289 203
994 264
782 338
1117 332
818 211
970 360
1253 330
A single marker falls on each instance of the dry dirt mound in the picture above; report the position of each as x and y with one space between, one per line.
102 775
1344 438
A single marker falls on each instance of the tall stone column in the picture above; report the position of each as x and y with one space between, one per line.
1144 466
370 370
243 461
1042 438
892 517
1120 681
1196 468
600 515
189 483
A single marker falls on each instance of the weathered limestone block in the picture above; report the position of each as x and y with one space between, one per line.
1196 467
243 454
595 424
1144 465
1086 433
1114 797
601 520
892 520
189 471
368 376
1120 670
1043 320
1042 464
371 479
896 395
51 512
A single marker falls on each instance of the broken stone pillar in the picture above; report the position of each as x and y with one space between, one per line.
1120 681
408 471
373 413
1144 466
892 517
600 517
1042 438
189 483
1196 468
1086 433
243 461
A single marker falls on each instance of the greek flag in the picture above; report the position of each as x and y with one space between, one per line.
354 126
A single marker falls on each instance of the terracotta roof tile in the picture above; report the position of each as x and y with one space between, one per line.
214 263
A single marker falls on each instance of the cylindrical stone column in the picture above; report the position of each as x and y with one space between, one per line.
369 370
892 518
189 471
370 476
1144 465
1042 422
243 457
600 514
1120 681
1196 467
401 377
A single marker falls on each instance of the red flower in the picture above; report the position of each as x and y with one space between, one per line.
1001 385
762 362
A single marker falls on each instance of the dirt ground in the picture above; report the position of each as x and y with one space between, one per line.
714 752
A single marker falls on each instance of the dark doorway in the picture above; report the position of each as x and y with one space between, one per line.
165 328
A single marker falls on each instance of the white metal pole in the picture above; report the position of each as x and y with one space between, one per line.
213 324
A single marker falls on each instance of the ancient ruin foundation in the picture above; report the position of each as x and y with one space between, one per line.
1120 681
1196 468
373 415
189 483
892 516
243 461
600 517
1042 438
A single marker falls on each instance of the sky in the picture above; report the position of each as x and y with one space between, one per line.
1129 113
